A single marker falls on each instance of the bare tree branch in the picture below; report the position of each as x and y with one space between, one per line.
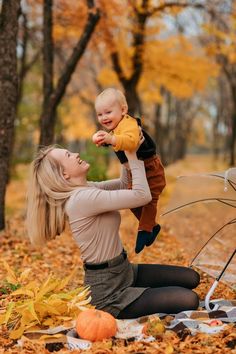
76 55
48 115
117 67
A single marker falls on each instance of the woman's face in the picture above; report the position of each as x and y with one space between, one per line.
71 162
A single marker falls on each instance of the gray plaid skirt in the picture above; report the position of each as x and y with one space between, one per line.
113 288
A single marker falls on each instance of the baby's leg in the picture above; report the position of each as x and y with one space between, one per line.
148 228
156 181
137 212
147 218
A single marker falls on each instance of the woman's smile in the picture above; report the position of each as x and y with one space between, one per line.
79 160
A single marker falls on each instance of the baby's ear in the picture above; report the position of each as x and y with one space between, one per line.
124 109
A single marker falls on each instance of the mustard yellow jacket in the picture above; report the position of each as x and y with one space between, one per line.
126 134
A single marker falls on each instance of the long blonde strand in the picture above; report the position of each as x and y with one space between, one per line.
48 192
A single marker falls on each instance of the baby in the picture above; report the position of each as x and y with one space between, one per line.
122 133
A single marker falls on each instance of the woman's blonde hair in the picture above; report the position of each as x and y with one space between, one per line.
48 192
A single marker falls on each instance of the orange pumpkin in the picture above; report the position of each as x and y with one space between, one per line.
95 325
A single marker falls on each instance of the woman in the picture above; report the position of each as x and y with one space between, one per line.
59 190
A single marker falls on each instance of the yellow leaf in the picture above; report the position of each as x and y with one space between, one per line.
58 305
2 319
49 285
49 322
24 275
28 322
82 293
51 336
84 302
11 276
17 333
44 309
27 311
33 328
63 296
32 310
36 303
169 349
10 308
23 291
64 282
33 286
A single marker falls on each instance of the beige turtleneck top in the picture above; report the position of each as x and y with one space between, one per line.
94 216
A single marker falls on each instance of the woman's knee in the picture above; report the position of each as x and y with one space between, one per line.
193 278
193 301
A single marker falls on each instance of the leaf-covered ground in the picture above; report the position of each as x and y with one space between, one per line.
61 256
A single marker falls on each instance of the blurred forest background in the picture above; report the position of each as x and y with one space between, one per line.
174 60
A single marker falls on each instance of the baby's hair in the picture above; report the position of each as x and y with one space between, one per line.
120 97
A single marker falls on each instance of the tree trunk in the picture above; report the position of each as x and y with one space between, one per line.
142 12
170 127
158 130
133 100
233 138
130 84
233 126
183 125
8 92
24 65
162 134
216 136
48 117
180 140
47 125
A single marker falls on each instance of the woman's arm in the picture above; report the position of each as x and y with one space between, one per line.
93 201
112 184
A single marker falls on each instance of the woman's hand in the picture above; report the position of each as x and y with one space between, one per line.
131 155
141 137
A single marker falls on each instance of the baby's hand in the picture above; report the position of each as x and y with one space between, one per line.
101 137
96 139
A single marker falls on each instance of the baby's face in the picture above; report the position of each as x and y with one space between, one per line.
109 112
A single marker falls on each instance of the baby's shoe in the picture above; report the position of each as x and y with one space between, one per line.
142 239
152 235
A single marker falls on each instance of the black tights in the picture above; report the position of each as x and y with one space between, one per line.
169 290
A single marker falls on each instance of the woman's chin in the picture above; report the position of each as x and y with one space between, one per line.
87 167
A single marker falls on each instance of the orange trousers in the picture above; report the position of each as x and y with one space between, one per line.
156 180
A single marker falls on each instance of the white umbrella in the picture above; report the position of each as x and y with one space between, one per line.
202 213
